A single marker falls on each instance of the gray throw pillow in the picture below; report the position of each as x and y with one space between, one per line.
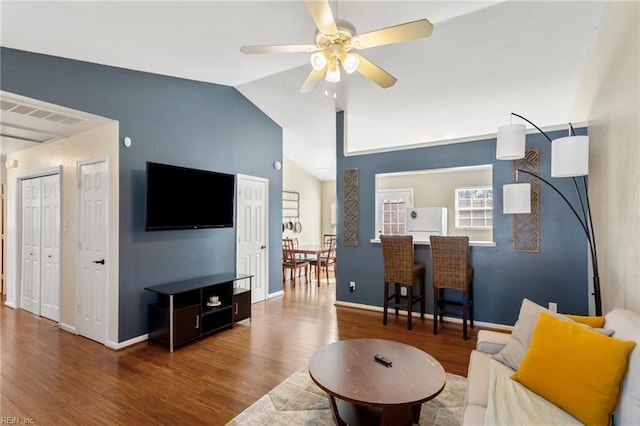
513 352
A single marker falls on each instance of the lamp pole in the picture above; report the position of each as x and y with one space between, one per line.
587 227
584 218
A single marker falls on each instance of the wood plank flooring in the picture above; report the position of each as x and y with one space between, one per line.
54 377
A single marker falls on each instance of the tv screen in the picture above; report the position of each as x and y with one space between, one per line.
183 198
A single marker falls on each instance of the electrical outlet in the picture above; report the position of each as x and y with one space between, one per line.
403 291
352 286
553 307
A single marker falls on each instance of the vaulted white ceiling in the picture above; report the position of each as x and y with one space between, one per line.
483 60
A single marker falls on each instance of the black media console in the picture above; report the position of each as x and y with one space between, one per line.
192 309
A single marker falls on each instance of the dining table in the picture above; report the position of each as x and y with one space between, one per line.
317 250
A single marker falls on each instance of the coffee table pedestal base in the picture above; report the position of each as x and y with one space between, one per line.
346 413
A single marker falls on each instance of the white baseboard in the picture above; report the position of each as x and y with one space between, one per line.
429 316
121 345
68 328
9 304
276 294
111 345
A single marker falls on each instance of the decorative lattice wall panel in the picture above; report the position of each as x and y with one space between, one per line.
351 202
526 227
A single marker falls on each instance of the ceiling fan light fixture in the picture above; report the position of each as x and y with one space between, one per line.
350 63
333 72
334 38
318 61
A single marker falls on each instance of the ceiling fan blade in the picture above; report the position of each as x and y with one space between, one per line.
321 13
397 33
374 72
312 80
279 48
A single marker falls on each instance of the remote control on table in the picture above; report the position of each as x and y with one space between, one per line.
383 360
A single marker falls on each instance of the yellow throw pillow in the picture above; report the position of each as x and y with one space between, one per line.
577 369
595 322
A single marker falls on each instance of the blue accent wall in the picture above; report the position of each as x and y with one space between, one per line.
174 121
558 273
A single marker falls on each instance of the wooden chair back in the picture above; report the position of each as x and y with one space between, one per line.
288 253
327 239
450 262
398 257
331 255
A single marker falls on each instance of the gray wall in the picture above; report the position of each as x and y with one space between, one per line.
558 273
173 121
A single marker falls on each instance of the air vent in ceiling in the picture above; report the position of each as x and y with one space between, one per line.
43 114
27 122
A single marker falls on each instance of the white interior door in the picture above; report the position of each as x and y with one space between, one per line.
50 276
31 223
251 251
92 247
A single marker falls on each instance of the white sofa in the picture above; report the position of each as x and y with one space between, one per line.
492 397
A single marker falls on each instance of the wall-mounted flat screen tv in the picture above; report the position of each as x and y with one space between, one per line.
183 198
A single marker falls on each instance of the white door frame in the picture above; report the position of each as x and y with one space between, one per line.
266 237
78 272
16 247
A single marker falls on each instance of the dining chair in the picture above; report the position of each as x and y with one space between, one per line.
327 238
451 270
330 258
292 262
326 243
296 245
401 271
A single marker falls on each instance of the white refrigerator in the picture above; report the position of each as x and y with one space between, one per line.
422 222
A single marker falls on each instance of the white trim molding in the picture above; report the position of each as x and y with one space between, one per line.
121 345
426 315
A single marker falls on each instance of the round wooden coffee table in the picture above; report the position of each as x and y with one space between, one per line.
364 391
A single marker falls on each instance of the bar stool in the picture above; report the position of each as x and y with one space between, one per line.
451 270
401 271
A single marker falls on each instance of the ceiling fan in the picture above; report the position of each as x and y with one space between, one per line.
334 42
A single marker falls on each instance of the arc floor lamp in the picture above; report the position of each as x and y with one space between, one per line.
569 158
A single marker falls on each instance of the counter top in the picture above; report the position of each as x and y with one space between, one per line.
427 243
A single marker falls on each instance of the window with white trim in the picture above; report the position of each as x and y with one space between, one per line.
474 207
392 205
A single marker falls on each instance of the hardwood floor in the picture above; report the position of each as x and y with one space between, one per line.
54 377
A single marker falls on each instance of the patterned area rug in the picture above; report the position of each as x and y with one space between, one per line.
298 401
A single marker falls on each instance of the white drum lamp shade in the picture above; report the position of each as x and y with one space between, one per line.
570 156
516 198
510 143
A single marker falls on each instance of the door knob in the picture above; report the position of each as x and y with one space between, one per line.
263 247
101 261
